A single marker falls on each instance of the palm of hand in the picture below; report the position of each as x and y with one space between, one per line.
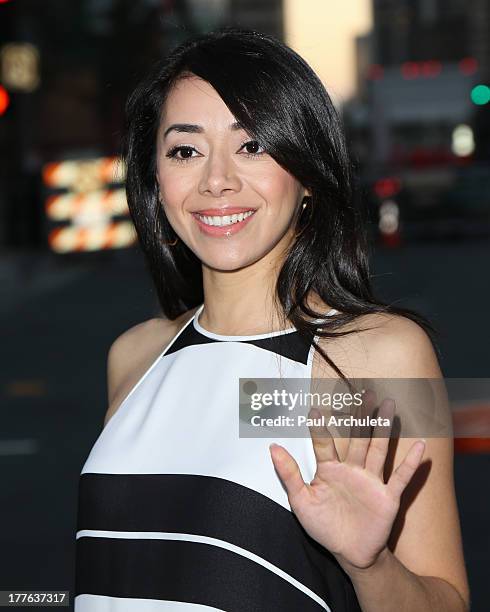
347 510
347 507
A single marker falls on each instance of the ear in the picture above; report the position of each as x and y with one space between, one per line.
306 193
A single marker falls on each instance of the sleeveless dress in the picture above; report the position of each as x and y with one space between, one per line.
178 513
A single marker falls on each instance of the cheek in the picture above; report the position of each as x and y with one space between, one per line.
175 186
280 190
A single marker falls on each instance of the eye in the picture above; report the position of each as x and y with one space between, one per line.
186 151
184 148
254 144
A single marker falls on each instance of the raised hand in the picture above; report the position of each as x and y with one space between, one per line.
347 507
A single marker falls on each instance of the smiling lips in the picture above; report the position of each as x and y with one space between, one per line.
223 221
227 210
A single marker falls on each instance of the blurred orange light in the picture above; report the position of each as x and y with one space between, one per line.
4 98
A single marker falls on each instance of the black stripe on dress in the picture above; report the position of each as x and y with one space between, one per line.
290 345
183 571
216 508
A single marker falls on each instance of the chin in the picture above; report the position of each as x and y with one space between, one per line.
230 263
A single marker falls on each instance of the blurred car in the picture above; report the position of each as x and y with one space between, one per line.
439 203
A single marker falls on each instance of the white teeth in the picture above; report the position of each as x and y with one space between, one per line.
219 221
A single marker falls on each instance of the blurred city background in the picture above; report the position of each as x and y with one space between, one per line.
411 79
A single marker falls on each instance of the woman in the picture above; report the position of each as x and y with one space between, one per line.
238 183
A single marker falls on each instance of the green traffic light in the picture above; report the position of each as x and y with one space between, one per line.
480 94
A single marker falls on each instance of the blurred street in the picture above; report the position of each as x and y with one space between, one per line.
59 317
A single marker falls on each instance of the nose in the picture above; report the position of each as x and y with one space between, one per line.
219 175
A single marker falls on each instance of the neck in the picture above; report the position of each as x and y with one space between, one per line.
241 302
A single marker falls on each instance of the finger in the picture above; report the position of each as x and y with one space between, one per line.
380 442
288 471
357 451
404 472
360 436
323 444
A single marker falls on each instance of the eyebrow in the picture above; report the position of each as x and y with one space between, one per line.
191 128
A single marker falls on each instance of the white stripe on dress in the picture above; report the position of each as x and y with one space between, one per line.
190 537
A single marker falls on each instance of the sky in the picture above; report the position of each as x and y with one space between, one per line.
322 32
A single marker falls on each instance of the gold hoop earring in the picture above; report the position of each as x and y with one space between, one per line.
171 243
157 222
306 202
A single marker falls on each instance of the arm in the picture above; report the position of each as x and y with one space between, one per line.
422 568
389 585
397 537
133 352
130 355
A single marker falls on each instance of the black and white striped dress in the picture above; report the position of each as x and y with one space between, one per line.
179 513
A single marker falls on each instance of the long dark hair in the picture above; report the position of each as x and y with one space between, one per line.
280 101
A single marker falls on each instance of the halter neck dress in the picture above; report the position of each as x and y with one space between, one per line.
178 513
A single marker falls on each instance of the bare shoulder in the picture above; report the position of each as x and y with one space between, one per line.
380 345
133 352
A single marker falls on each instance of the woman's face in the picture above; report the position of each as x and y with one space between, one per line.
209 173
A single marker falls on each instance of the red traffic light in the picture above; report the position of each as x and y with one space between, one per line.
387 187
468 65
4 99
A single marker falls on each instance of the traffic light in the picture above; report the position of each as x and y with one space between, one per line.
480 94
386 189
4 100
